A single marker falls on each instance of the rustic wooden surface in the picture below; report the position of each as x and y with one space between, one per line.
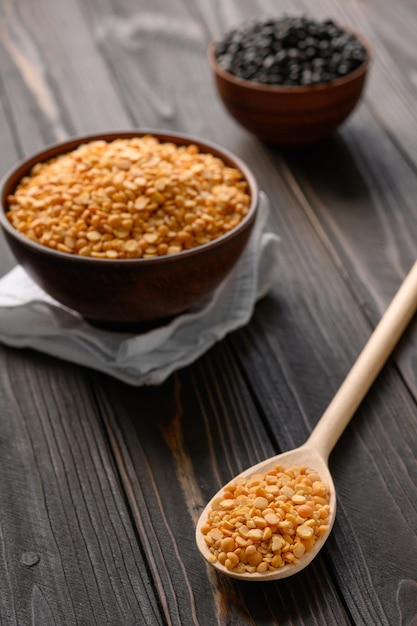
102 483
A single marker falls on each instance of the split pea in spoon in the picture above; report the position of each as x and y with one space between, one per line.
313 454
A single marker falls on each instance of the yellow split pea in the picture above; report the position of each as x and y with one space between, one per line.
266 521
129 198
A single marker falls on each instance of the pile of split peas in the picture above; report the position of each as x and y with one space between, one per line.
129 198
266 521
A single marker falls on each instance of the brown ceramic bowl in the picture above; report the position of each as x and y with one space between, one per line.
293 115
126 293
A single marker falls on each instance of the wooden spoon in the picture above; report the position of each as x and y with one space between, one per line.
315 451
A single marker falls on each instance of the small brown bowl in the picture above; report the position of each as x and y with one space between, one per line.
290 115
129 293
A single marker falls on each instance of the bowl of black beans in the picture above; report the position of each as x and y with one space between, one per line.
290 80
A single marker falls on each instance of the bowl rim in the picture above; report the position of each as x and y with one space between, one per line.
23 167
292 89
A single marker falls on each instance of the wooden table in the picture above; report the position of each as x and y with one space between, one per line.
102 482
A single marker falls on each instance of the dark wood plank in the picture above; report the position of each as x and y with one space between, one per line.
69 552
9 155
57 82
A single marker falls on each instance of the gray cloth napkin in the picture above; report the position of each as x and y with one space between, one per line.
29 318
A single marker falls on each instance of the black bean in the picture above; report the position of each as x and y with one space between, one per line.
290 51
268 61
317 63
281 57
343 69
311 52
293 53
306 78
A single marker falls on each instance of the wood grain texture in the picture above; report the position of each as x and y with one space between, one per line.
70 554
102 483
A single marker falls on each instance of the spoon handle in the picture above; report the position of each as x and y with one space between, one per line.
366 368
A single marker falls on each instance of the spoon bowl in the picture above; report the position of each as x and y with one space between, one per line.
304 455
315 452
